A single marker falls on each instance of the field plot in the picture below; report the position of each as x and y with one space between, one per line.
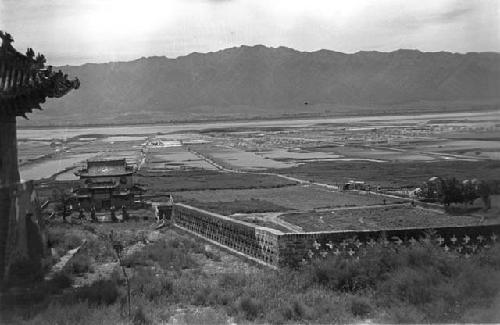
381 154
103 145
236 158
237 206
172 158
291 197
297 156
393 174
375 218
201 180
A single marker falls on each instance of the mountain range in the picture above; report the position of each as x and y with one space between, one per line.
258 81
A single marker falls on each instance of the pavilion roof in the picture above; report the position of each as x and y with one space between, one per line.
25 82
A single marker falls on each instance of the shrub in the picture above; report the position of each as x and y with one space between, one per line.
151 285
232 281
294 310
136 259
204 316
250 307
79 263
360 306
410 286
173 254
101 292
25 271
60 281
62 239
213 256
139 317
74 314
170 255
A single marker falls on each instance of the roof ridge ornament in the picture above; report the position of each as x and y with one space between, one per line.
25 81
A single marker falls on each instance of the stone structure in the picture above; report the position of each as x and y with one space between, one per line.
257 243
25 82
276 249
105 183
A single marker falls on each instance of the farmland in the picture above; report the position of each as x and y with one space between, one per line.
285 165
300 197
375 218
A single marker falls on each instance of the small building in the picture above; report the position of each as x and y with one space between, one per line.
107 183
355 185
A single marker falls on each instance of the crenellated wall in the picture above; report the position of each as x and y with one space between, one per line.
277 249
297 248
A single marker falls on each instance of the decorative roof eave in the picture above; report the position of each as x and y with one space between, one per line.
87 175
25 82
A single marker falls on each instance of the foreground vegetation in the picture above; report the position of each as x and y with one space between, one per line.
170 278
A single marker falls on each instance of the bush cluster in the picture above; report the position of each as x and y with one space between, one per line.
101 292
173 254
80 263
415 284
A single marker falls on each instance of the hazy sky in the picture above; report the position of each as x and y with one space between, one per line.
79 31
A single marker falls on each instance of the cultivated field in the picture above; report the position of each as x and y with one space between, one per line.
300 197
392 217
179 181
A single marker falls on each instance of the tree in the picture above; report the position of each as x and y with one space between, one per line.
451 192
484 191
469 192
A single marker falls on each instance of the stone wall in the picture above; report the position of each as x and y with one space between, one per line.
297 248
277 249
259 243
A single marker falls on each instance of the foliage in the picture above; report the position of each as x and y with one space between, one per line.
101 292
140 318
169 255
416 284
150 284
451 190
80 263
61 280
24 271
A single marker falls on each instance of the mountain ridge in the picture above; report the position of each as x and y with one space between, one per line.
249 81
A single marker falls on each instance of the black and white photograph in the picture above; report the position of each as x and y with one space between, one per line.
249 162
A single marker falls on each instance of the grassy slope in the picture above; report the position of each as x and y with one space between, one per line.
396 285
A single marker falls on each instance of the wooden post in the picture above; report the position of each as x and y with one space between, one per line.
9 173
9 176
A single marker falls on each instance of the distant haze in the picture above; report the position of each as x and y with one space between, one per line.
81 31
258 81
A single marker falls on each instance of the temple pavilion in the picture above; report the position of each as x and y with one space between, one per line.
106 183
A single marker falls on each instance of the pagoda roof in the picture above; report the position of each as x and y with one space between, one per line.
106 167
25 82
